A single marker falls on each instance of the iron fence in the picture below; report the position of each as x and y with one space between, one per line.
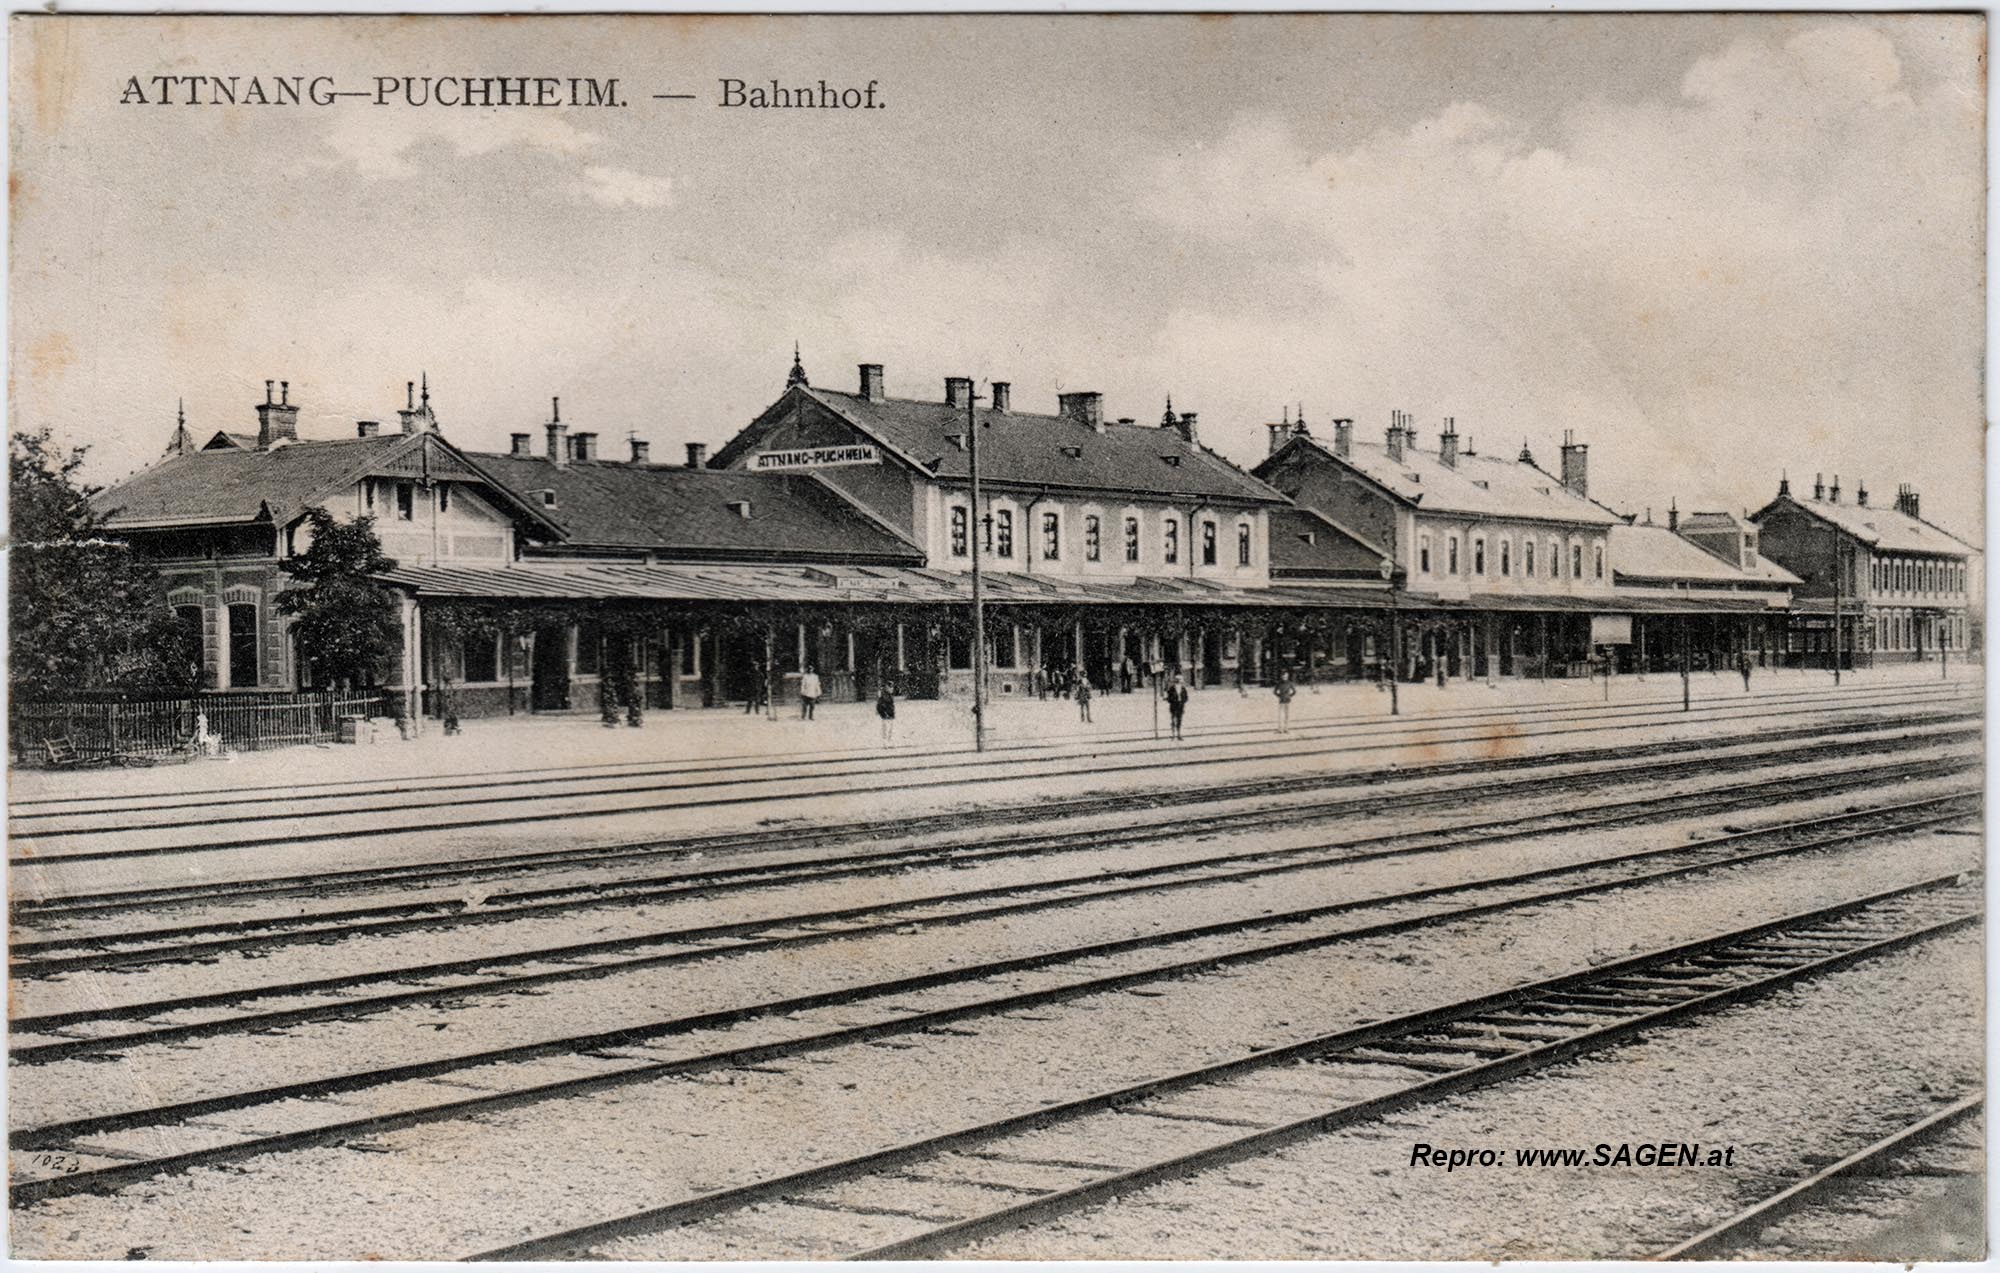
147 728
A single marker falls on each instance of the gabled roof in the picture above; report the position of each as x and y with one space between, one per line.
1023 448
672 509
224 439
1304 543
228 486
1653 552
1478 486
1884 529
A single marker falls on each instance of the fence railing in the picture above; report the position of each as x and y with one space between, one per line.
162 727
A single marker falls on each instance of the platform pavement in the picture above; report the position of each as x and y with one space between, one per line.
923 728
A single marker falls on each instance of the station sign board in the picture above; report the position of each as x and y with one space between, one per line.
1611 629
815 457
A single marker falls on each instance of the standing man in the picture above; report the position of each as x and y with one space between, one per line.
1743 666
1285 691
1083 698
808 693
1177 700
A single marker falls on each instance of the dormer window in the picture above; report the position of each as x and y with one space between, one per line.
1073 452
1173 461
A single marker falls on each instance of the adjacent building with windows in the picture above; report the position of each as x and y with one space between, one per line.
1892 586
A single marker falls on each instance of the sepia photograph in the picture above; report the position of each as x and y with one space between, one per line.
1174 636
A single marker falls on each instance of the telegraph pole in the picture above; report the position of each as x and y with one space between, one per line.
1836 595
977 530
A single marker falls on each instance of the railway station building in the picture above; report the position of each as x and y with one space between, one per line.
1887 585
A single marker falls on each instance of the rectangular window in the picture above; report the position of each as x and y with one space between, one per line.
368 493
1051 537
243 647
1171 545
1003 646
406 502
959 530
1208 543
1131 539
1003 532
1479 556
1093 539
482 660
1243 545
1424 553
444 497
1505 563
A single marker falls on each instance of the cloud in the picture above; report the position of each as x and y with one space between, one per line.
377 144
623 188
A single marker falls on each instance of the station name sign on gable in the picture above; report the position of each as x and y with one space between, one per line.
815 457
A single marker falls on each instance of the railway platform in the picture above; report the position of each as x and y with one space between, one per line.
923 728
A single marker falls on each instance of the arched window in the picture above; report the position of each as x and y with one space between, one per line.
1528 558
1051 537
1479 555
244 672
1003 533
1243 543
1131 539
1093 538
960 527
1597 554
1576 561
1451 554
1424 553
1506 555
1208 543
1170 541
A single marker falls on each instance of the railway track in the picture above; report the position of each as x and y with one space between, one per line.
23 813
43 847
956 1187
1721 1240
609 1058
38 959
1698 757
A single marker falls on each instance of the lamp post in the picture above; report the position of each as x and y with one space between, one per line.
1391 576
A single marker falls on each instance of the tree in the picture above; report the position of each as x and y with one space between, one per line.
84 612
345 622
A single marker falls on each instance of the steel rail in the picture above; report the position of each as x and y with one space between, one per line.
582 1239
58 1135
35 808
1623 760
30 958
1714 1242
346 1006
1148 763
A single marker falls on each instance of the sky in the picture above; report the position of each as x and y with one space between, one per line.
1716 247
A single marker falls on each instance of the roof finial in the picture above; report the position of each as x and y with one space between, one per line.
180 412
1169 418
1288 414
427 387
798 372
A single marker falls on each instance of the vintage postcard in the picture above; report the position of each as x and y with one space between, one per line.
1090 637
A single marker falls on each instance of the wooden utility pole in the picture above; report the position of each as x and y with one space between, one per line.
976 530
1836 598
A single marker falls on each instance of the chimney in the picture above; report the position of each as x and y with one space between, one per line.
1084 408
277 421
1186 427
558 434
958 392
522 445
1343 437
1673 515
1861 493
1448 443
1906 500
697 455
1819 486
871 381
1280 434
1393 440
642 451
1833 492
1784 484
1003 396
584 446
367 428
1575 464
416 412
